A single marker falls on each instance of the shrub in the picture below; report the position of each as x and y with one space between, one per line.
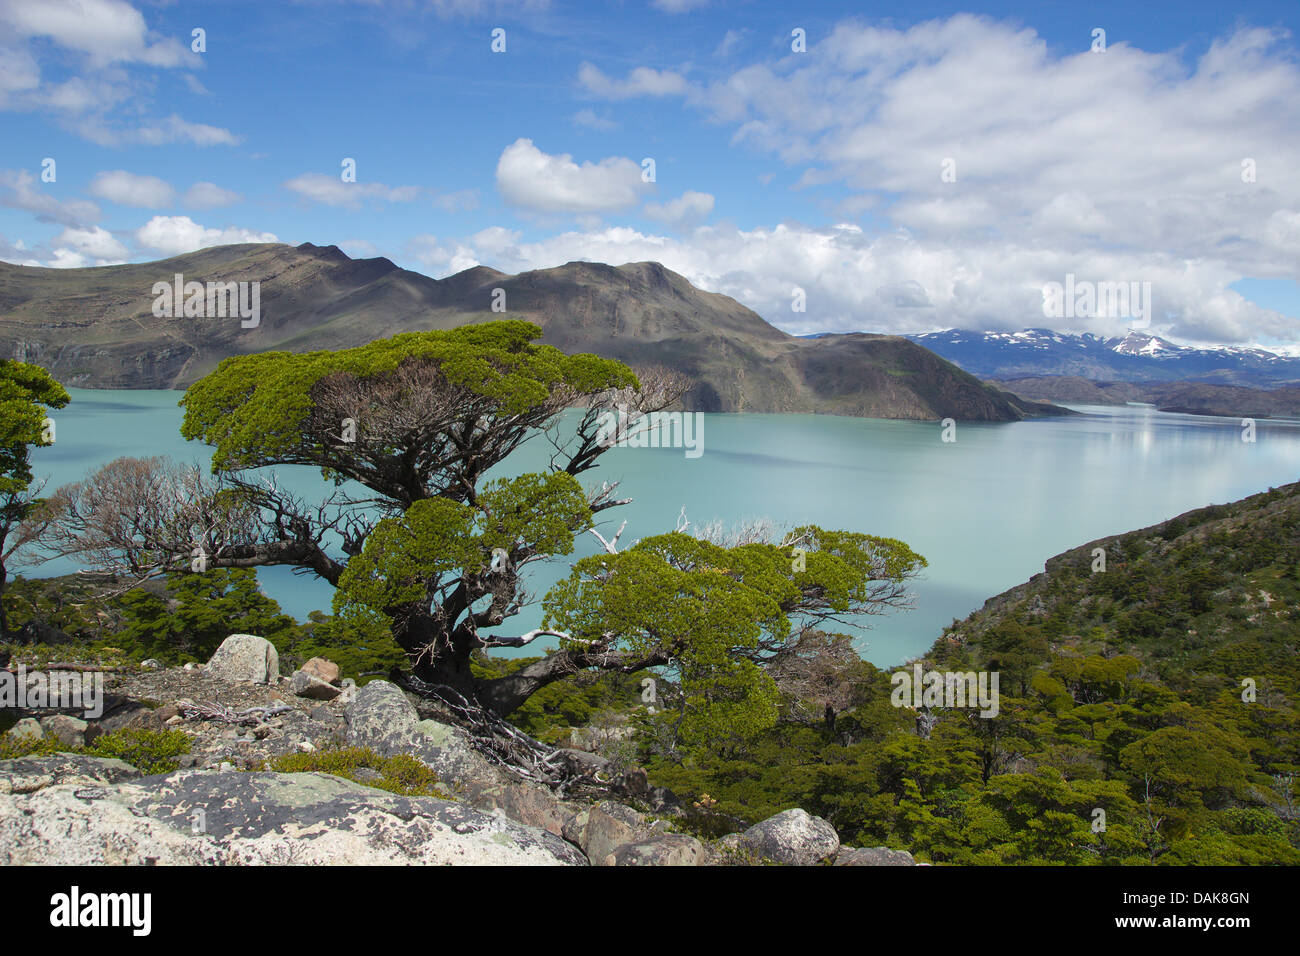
149 751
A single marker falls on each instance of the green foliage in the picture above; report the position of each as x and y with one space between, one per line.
400 773
150 751
255 408
364 650
190 618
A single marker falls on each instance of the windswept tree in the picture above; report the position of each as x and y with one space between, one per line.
27 392
431 551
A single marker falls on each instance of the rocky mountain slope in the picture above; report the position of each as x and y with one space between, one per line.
95 328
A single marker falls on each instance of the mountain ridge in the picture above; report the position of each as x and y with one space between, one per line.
94 328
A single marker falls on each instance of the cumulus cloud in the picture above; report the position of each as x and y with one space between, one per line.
540 182
129 189
642 81
106 31
332 191
687 209
115 51
174 235
93 246
1116 166
18 190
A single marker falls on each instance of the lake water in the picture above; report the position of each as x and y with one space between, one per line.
986 510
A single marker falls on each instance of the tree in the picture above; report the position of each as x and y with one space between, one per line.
27 392
431 550
196 613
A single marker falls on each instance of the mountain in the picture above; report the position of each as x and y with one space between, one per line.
1136 357
95 328
1195 398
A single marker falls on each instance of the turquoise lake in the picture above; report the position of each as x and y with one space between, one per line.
986 510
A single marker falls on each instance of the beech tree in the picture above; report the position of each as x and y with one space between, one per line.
431 553
27 392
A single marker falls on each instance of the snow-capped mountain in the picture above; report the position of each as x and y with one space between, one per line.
1135 357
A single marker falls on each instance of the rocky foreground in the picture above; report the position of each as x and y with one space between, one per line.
221 807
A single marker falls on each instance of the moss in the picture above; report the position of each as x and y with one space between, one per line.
401 774
150 751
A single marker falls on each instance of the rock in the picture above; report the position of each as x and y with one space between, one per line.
873 856
70 730
27 729
601 829
322 669
245 657
259 818
349 691
381 718
794 837
150 664
313 688
670 849
29 774
130 717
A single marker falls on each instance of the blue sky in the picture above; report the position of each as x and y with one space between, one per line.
775 170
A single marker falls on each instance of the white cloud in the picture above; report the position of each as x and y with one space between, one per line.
642 81
205 195
113 53
106 31
541 182
174 129
890 283
687 209
129 189
18 190
332 191
93 246
174 235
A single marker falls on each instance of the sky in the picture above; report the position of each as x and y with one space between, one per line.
833 166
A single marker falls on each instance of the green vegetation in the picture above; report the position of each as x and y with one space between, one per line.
401 773
1121 691
149 751
27 392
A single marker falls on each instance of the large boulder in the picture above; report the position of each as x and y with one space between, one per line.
70 731
236 818
668 849
382 718
873 856
30 774
795 837
304 684
322 669
245 657
601 829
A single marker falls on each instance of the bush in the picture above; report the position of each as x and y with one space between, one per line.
149 751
